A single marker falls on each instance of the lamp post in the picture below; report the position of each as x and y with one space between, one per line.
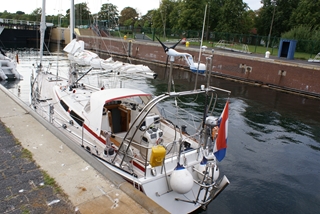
273 2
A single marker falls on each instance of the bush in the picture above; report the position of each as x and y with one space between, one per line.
307 37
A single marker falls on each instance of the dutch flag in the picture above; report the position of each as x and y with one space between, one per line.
220 147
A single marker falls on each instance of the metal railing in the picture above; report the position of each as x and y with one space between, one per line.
18 22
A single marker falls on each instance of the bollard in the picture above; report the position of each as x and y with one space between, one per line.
267 54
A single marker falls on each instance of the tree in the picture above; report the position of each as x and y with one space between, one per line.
81 14
36 14
249 18
305 33
156 19
265 17
6 15
190 15
166 11
281 10
20 13
146 20
307 13
284 10
109 14
213 14
187 15
128 17
233 17
174 16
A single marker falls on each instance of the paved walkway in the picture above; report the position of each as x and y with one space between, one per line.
23 187
85 189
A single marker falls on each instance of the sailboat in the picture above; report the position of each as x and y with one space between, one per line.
8 67
170 159
78 54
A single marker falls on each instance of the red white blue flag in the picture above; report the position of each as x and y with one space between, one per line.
220 147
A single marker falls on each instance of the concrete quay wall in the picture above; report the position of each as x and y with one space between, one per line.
291 75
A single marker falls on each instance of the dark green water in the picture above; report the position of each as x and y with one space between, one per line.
273 154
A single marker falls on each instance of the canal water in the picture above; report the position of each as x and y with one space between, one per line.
273 154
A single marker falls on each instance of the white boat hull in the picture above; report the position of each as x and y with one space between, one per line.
125 130
8 69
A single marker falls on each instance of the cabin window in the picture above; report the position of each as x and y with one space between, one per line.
77 118
153 136
156 120
145 139
64 105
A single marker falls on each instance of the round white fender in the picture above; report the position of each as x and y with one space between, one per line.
181 180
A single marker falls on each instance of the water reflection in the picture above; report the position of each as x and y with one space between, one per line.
13 86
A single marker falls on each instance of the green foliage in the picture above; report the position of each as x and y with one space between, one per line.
304 34
214 14
146 20
156 19
81 14
162 17
24 209
306 13
36 12
190 15
225 20
8 130
224 16
26 154
20 13
147 23
300 32
128 13
51 182
232 17
281 11
128 22
264 19
110 13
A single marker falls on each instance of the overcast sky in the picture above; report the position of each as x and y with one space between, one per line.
60 6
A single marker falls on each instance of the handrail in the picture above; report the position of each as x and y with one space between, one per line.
21 22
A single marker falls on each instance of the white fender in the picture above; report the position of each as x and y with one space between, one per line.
181 180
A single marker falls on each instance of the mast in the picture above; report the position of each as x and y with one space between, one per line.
42 28
204 23
71 20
